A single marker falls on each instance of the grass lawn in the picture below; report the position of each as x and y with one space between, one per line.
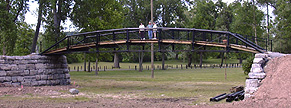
132 65
173 83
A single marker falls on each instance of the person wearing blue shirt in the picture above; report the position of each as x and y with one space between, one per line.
150 31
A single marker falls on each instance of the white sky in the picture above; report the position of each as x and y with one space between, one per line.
31 16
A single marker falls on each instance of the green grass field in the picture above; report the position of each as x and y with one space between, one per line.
173 83
132 65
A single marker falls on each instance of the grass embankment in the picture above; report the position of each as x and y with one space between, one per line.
189 83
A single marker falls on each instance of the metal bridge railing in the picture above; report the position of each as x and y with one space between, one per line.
163 33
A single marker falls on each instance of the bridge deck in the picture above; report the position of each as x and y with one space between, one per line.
86 46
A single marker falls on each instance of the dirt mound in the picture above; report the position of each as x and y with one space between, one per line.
275 89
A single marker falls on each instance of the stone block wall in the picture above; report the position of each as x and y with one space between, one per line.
257 73
34 70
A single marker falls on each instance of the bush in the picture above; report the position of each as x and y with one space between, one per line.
248 65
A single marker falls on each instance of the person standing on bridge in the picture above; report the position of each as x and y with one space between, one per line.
141 31
150 30
155 30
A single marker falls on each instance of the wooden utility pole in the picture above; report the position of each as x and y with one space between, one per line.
152 44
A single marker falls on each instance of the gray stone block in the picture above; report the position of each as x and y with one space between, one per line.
14 79
15 84
6 67
19 58
43 77
26 83
23 62
34 83
2 79
37 77
2 73
29 77
42 82
2 61
7 83
252 83
20 78
258 61
257 70
68 81
275 54
50 77
26 72
260 55
30 66
33 72
56 76
21 66
61 76
40 66
14 73
260 75
41 71
8 79
67 76
251 90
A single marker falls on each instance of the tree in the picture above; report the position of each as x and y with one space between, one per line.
224 16
92 15
203 15
55 12
41 7
11 12
243 22
24 39
283 26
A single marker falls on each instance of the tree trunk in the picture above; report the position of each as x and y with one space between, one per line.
37 26
116 60
57 18
177 56
255 24
240 59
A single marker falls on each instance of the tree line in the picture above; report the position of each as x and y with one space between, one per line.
243 17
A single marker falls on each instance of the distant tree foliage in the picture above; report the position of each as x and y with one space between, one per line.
283 26
11 14
92 15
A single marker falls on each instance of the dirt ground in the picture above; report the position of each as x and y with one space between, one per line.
275 92
21 98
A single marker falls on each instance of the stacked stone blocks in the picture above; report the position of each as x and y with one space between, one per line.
256 74
34 70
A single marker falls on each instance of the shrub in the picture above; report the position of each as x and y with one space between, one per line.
248 65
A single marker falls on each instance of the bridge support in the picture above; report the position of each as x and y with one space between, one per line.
34 70
163 61
200 63
96 65
116 60
85 62
140 59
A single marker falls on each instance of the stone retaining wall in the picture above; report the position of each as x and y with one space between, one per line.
257 73
34 70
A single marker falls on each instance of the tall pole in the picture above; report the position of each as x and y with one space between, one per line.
152 44
268 30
